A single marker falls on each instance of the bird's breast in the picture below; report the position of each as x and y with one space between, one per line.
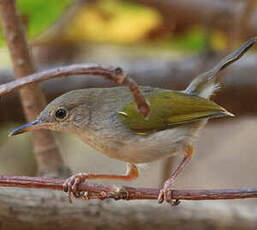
130 147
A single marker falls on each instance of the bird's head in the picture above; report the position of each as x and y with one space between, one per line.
67 113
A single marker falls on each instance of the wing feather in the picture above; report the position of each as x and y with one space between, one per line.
169 109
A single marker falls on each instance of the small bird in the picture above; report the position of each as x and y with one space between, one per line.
108 120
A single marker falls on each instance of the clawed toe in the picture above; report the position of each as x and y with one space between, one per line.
70 186
161 196
166 194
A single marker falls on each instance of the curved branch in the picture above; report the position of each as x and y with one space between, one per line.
97 191
116 75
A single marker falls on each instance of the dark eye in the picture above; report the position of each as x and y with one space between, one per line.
61 114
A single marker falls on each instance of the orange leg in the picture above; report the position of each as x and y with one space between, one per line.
71 184
166 191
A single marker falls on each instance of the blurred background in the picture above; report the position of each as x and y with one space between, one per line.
159 43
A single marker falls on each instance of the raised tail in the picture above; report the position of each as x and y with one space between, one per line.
204 85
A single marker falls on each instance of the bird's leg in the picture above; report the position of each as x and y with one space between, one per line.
71 184
166 191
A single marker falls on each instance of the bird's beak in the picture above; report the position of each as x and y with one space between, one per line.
36 124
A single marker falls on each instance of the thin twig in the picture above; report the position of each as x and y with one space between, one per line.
32 98
240 22
97 191
116 75
187 13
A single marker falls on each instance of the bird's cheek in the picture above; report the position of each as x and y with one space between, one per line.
66 127
79 120
54 127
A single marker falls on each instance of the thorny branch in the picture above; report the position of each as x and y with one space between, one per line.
116 75
97 191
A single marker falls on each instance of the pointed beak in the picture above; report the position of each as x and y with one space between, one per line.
36 124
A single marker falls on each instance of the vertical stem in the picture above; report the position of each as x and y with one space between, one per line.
167 167
33 101
240 22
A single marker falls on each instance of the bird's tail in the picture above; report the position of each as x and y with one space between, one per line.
205 84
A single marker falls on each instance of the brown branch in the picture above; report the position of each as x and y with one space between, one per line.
32 98
243 11
182 14
97 191
116 75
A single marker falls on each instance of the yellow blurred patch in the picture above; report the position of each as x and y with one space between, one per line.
113 21
218 40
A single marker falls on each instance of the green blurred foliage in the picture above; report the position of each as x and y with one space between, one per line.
38 15
108 21
192 40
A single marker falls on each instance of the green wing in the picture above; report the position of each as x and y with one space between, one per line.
169 109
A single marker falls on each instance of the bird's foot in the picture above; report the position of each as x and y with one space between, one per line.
70 186
166 194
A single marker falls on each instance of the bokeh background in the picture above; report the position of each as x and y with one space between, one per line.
159 43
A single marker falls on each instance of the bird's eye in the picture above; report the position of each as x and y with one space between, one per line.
61 114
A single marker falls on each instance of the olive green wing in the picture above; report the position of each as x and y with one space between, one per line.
169 109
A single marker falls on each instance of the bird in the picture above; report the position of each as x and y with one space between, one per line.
107 119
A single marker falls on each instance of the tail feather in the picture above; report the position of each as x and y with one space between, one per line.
205 84
208 90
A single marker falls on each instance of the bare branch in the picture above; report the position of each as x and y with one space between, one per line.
116 75
240 25
181 14
97 191
32 98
